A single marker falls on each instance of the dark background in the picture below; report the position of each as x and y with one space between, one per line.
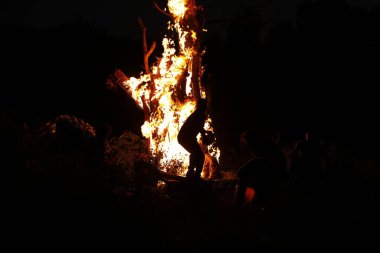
276 67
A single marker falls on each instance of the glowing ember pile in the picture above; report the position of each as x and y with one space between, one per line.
168 91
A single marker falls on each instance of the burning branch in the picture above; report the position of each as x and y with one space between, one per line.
116 78
168 91
195 20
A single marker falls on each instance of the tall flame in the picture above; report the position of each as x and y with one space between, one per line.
159 93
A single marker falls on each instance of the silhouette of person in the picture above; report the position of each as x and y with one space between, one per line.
307 161
259 184
259 179
187 138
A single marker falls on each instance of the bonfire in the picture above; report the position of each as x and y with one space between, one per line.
168 89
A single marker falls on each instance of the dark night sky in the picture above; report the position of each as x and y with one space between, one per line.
119 17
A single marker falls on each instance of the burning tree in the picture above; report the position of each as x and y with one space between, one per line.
167 92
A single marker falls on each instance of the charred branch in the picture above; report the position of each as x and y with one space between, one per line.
147 52
195 78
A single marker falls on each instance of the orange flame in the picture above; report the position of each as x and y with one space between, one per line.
168 111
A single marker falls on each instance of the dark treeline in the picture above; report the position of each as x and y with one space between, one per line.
318 71
63 70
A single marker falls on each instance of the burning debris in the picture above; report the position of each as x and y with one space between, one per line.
167 92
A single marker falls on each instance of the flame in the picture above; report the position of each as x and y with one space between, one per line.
158 93
177 8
